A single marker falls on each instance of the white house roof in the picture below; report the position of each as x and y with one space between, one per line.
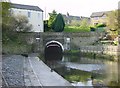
28 7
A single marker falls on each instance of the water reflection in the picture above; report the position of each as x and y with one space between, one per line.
81 71
53 54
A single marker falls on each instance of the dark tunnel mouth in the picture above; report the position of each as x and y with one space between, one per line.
53 51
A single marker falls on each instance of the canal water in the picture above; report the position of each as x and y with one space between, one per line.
84 71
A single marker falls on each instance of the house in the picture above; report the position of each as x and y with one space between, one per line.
69 19
34 14
99 17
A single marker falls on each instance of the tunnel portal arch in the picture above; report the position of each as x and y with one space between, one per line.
53 50
55 42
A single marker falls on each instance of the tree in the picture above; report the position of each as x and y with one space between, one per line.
119 21
84 24
52 18
21 23
6 16
112 20
59 24
6 21
75 23
5 11
11 24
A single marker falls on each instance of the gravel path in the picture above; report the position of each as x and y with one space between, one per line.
20 71
12 70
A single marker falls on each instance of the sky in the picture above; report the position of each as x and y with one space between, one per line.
73 7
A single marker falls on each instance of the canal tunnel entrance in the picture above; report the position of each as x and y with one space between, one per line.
53 51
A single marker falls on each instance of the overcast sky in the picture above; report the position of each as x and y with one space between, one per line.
73 7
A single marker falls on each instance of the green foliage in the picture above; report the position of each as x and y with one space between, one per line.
114 84
11 41
92 28
112 19
59 24
52 18
21 23
98 28
5 11
84 24
76 29
71 52
116 43
75 23
81 26
77 75
100 25
16 23
7 23
6 16
101 29
12 23
14 47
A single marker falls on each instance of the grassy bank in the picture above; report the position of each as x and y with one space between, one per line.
77 75
71 52
15 48
76 29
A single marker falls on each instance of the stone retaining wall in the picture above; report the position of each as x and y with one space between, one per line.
112 50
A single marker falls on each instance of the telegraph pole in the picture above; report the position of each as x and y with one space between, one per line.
45 13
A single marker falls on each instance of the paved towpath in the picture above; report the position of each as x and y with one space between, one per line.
43 74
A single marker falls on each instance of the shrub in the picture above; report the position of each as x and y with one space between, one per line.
92 29
100 25
59 24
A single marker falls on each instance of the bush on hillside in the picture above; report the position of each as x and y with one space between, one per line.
59 24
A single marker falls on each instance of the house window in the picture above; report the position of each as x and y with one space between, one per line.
96 18
38 15
104 16
29 14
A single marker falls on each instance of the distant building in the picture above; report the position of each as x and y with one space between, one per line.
69 18
34 14
99 17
